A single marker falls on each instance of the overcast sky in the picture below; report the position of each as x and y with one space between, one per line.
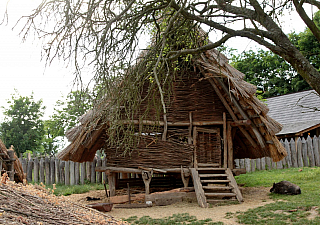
22 68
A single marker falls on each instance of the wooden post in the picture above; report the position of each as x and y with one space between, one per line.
253 165
279 165
67 173
42 166
147 176
230 146
83 173
24 165
104 175
225 142
112 183
185 178
258 164
195 134
299 152
57 170
247 164
310 152
99 174
293 153
36 170
268 162
304 152
288 157
47 170
88 166
11 165
52 171
237 163
241 162
62 172
93 171
315 150
72 178
29 170
190 129
77 173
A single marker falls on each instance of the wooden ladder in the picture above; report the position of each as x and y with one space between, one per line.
214 185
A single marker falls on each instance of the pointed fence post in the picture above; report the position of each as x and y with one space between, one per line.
305 152
284 161
83 172
42 166
247 164
299 152
77 173
62 172
47 170
241 163
52 171
288 157
310 152
36 170
67 172
99 174
315 150
268 162
93 171
72 180
253 165
57 170
258 164
237 163
263 163
29 170
293 153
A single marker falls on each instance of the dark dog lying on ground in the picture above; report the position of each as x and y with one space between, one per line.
285 187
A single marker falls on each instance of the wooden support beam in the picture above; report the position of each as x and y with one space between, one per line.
240 123
190 129
171 124
112 183
146 177
230 146
195 133
225 143
185 178
233 116
242 112
117 169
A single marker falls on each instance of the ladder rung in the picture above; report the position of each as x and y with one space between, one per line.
209 164
215 181
216 188
211 169
220 194
213 175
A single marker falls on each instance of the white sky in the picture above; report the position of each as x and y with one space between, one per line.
21 67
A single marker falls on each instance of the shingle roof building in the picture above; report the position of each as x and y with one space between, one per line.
299 113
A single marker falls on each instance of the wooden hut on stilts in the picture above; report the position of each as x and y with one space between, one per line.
212 118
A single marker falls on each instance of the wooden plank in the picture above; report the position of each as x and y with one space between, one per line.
293 153
234 184
47 170
241 162
29 170
77 173
99 174
225 143
304 152
83 173
36 170
201 198
263 163
195 135
258 164
288 157
284 160
253 165
52 171
72 179
118 169
310 152
93 171
230 146
299 152
131 206
67 173
42 179
171 124
88 170
62 172
279 165
315 150
268 162
241 123
57 170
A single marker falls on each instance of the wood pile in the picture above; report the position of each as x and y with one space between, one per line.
19 175
33 204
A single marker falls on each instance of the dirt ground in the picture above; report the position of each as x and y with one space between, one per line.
253 197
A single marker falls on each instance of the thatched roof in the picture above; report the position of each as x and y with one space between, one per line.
258 139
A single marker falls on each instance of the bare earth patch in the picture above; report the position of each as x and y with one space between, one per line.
253 197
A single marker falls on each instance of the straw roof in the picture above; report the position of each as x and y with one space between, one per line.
259 138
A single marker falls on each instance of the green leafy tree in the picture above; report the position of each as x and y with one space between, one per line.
65 116
23 126
271 74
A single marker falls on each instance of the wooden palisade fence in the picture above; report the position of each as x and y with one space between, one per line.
50 170
301 153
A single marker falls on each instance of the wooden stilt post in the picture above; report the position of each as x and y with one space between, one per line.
225 142
112 183
230 146
185 177
190 129
195 162
146 176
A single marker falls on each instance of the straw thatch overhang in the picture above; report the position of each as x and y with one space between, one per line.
213 96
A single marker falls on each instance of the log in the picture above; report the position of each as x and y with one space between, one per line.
225 143
125 198
118 169
230 146
112 184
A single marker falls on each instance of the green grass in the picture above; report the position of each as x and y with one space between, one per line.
289 209
184 218
75 189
